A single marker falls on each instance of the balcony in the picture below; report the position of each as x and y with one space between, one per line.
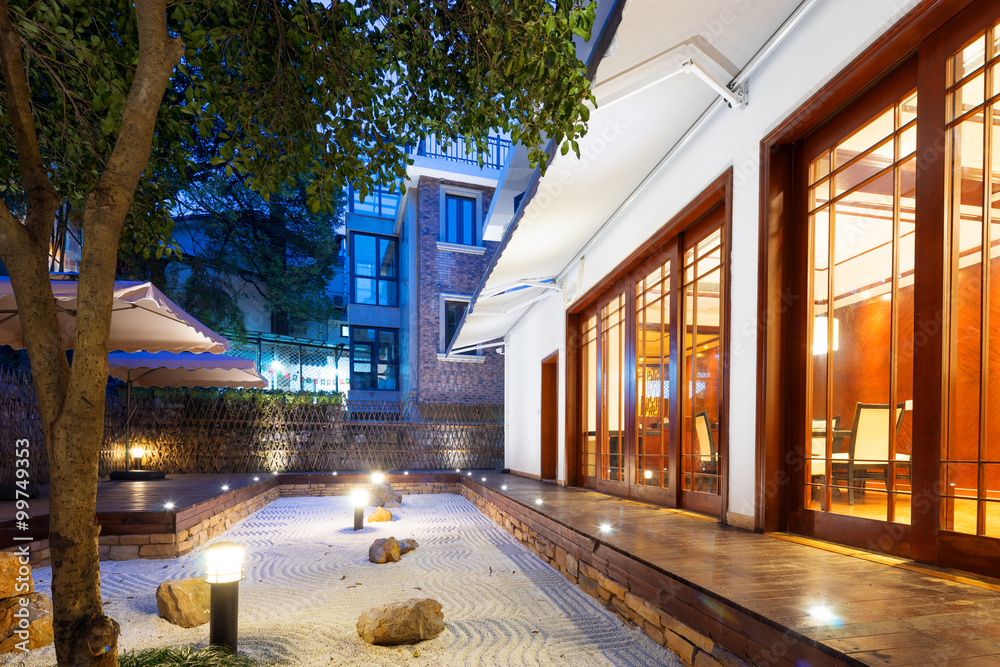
380 203
465 152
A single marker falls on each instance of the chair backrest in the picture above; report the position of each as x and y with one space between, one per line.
869 434
819 444
703 429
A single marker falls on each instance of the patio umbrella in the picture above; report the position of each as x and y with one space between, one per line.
142 318
184 369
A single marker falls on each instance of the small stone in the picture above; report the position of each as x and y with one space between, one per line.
406 622
385 550
39 621
380 514
407 545
392 503
10 569
184 602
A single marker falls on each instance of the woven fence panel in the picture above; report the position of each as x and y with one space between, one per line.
19 421
204 432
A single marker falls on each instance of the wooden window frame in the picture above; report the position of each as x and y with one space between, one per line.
921 39
718 193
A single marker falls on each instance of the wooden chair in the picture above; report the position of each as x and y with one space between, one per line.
868 451
817 464
703 434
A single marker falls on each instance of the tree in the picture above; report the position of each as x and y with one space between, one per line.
239 246
100 101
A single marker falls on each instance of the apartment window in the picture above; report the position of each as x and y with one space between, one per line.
452 310
374 358
461 217
375 268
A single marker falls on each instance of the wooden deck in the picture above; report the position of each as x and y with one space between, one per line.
880 610
744 590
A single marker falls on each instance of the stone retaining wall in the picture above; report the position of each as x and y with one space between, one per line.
342 489
694 648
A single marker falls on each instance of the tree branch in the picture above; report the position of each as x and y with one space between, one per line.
43 200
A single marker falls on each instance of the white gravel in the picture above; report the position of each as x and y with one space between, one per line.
308 578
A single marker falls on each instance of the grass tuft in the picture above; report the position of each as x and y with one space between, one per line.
187 656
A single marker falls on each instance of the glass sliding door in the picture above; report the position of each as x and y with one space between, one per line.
651 359
702 291
970 456
862 201
612 440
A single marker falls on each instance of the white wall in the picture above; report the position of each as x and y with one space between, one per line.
540 332
829 38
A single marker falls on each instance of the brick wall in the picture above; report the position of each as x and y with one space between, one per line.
454 273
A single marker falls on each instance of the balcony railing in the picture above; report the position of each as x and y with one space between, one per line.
460 150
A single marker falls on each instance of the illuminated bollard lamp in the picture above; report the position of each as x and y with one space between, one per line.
224 571
359 498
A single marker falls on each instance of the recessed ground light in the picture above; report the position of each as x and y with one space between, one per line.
822 613
256 479
504 487
168 505
457 470
469 473
225 487
275 472
334 473
406 472
538 501
483 479
605 527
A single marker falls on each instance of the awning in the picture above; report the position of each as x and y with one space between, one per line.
184 369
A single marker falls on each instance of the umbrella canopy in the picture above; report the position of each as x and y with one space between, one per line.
142 318
184 369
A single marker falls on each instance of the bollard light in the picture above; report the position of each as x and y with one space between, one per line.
359 498
377 478
137 453
224 571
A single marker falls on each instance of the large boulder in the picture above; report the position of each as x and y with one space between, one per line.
184 602
385 550
14 575
380 514
407 545
25 627
406 622
382 493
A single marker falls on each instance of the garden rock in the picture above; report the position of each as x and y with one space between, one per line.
382 493
10 570
385 550
406 622
407 545
380 514
391 503
36 629
184 602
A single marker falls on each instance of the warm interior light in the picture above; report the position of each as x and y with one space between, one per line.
224 563
648 474
377 478
359 497
819 335
137 452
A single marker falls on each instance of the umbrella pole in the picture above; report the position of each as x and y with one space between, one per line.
128 418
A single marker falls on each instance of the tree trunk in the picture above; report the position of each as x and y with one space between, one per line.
71 401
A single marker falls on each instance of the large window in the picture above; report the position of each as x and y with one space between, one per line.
461 220
651 385
375 269
862 215
374 358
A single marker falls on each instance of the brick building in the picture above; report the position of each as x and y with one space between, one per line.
415 260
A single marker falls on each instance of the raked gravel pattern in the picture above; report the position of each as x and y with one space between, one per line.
308 578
